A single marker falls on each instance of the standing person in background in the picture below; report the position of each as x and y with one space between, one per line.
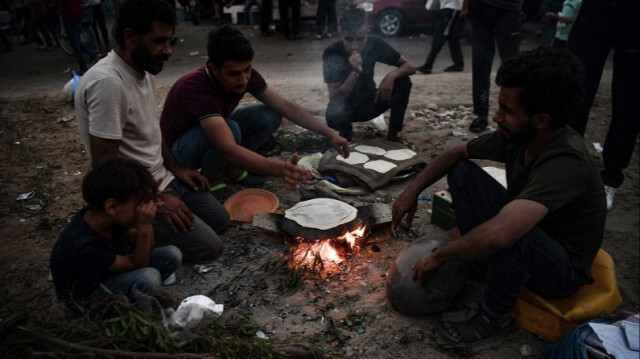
248 4
547 24
564 20
71 13
448 28
495 23
326 14
292 32
91 47
99 22
600 26
266 16
38 24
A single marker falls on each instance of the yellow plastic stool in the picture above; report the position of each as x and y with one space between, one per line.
553 318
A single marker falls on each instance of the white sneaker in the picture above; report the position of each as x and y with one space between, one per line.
609 192
379 122
170 279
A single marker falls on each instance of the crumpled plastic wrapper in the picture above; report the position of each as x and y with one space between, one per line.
193 313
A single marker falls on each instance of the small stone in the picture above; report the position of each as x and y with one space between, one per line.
526 350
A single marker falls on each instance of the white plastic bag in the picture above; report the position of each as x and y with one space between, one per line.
69 88
194 312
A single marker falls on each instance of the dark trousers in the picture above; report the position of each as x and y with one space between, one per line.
599 27
72 29
535 261
548 26
326 15
283 7
448 28
266 15
340 116
39 26
491 27
100 22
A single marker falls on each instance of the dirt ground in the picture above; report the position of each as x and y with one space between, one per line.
346 313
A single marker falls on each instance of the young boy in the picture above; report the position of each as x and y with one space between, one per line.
108 247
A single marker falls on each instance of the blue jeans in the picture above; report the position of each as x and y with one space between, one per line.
340 116
491 27
162 263
201 244
535 261
72 29
250 18
251 127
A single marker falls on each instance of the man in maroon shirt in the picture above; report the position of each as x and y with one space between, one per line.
204 129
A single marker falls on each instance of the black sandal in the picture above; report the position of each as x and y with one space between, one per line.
479 328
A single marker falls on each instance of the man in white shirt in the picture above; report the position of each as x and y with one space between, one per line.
116 107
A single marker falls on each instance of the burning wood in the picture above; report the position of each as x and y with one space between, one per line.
326 254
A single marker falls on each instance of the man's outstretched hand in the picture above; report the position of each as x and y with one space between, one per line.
340 144
406 204
425 265
292 174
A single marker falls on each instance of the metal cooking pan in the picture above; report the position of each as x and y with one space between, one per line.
294 229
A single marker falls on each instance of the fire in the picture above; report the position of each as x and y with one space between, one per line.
327 252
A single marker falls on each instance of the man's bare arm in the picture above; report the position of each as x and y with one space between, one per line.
298 115
407 202
220 135
514 220
385 89
338 92
102 149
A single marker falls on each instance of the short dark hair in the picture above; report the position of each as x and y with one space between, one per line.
227 43
548 81
353 20
138 16
117 178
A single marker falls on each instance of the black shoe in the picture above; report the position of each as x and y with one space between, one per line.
424 69
221 192
454 68
250 180
270 148
478 125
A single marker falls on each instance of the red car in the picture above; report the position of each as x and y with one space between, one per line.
392 17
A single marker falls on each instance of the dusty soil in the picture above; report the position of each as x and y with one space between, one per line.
346 312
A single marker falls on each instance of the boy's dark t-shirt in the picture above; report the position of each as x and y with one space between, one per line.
336 66
81 258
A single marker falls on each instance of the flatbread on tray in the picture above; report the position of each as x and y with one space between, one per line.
321 213
400 155
354 158
380 166
376 177
372 150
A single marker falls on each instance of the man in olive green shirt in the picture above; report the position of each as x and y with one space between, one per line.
544 231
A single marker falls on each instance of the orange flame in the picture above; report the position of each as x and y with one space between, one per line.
307 252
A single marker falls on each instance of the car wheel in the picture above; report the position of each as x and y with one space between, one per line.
390 23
